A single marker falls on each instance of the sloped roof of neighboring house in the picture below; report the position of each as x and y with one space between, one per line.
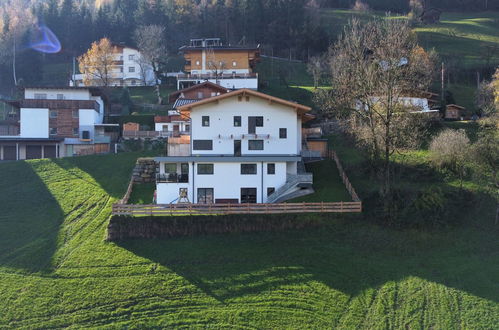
302 109
168 119
176 94
455 106
181 101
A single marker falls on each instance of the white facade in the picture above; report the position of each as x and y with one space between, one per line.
183 126
246 145
34 123
251 82
130 69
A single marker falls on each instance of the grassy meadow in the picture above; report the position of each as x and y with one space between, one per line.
56 270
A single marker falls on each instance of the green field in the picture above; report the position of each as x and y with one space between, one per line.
56 270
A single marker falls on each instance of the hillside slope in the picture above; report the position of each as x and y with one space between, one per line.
56 270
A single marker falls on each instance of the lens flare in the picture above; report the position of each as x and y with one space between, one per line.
44 40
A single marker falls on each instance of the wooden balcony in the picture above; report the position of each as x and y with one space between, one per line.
59 104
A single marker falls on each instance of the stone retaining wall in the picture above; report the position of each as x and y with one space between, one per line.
144 171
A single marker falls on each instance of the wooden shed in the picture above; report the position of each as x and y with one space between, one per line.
131 126
454 112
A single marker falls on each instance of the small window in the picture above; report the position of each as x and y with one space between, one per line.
121 58
131 69
248 168
205 121
198 63
270 168
200 95
187 128
283 133
75 131
165 128
237 121
205 168
53 131
255 145
270 191
131 58
202 144
53 114
60 96
76 113
40 96
234 63
259 121
121 69
134 82
170 168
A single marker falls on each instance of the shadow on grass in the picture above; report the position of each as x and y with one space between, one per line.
29 221
347 256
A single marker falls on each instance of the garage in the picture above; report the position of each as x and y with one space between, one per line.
33 152
49 152
9 152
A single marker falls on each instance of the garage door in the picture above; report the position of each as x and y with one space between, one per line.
9 152
49 152
33 152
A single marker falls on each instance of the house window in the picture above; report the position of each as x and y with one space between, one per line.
255 145
202 144
254 122
205 168
60 96
121 58
53 131
197 63
76 113
131 69
131 58
121 69
270 191
248 169
40 96
237 121
170 168
200 95
248 195
205 121
283 133
205 195
53 114
270 168
187 128
165 128
133 82
234 63
75 131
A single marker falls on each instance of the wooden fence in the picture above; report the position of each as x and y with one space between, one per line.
125 198
246 208
332 155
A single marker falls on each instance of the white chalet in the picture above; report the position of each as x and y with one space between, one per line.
129 69
245 147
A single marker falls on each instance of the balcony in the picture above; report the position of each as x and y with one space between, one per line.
172 178
189 76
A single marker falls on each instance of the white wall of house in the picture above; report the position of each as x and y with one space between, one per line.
55 94
158 127
87 120
229 83
34 123
223 133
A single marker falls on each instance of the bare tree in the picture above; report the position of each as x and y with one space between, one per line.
97 64
450 150
216 66
316 66
151 44
373 66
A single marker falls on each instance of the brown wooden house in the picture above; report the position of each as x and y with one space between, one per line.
454 112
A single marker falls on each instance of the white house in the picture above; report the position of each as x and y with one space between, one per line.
57 122
245 147
129 69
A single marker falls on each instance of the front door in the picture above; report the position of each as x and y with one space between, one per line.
176 130
237 147
184 172
248 195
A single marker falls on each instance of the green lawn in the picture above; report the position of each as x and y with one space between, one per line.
56 270
142 193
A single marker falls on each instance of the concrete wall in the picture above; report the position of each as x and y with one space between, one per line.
223 133
34 123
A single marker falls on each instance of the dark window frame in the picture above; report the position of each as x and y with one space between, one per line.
251 144
196 144
270 168
270 191
205 120
205 200
283 133
249 169
237 121
206 169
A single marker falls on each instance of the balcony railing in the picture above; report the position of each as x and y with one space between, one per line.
172 178
218 76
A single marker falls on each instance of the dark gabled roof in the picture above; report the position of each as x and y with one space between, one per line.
174 95
246 48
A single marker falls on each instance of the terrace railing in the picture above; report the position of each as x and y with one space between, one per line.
172 178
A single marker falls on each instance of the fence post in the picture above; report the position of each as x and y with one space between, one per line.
341 206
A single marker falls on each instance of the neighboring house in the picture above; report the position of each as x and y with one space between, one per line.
196 92
245 147
57 122
454 112
129 69
412 104
231 67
